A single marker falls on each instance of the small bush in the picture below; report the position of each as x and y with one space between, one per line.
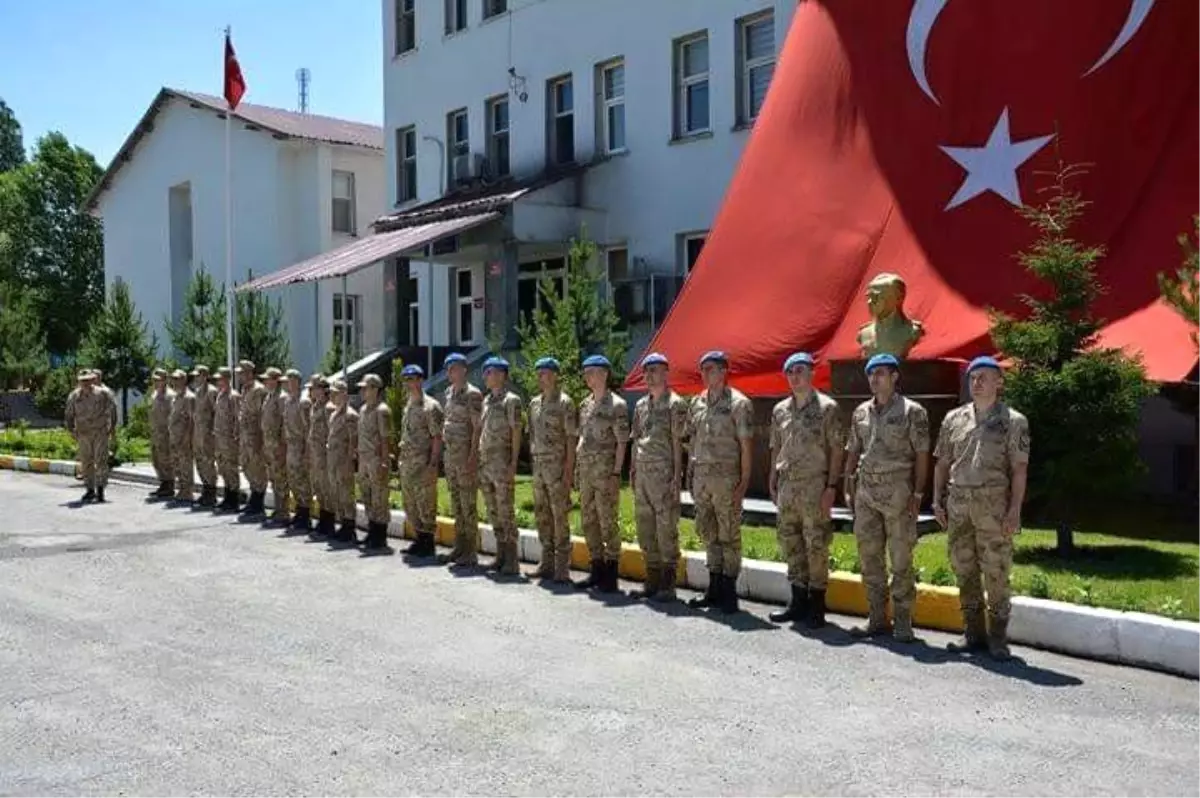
943 576
138 423
1039 586
51 398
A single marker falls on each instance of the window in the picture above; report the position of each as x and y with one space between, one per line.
612 106
560 102
456 16
497 116
406 164
346 322
414 318
691 86
406 26
343 202
492 8
464 297
755 64
616 262
529 279
458 138
690 247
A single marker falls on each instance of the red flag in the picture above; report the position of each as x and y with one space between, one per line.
900 137
235 84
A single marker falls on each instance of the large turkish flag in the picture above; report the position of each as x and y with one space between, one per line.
900 137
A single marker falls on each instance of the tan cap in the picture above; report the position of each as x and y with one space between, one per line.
272 374
200 370
372 380
223 373
83 376
337 386
179 374
293 374
246 365
158 374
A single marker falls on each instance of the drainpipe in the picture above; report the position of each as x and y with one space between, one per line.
345 376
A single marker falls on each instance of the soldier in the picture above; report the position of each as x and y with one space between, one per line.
275 444
983 454
499 447
341 451
656 474
317 446
296 412
720 426
807 443
374 462
104 389
462 407
160 435
553 436
420 453
603 436
225 439
91 422
250 437
887 463
203 441
182 411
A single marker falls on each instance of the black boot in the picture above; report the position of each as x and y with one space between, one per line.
231 501
423 546
594 577
325 525
100 495
611 577
346 533
253 506
301 522
712 595
208 496
816 610
729 596
797 608
88 496
165 490
376 542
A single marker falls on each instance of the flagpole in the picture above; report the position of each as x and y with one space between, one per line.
229 295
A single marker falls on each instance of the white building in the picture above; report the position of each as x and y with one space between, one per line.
302 184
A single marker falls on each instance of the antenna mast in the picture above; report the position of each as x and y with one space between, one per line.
303 78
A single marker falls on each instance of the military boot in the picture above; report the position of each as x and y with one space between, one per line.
100 495
208 496
997 639
326 523
302 521
254 507
712 594
594 578
610 575
166 489
902 628
796 609
666 584
816 610
230 502
512 557
280 514
346 533
424 546
877 623
974 633
652 584
729 597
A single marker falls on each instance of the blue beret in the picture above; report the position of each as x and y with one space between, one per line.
798 359
983 362
454 357
596 362
495 362
412 370
882 360
655 359
714 356
547 363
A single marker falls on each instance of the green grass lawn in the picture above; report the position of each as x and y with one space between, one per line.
57 444
1125 573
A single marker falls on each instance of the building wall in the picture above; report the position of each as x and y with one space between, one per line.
281 211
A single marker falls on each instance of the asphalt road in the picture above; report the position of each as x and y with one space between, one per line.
155 651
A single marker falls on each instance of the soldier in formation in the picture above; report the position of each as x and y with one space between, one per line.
296 418
887 463
160 435
204 442
275 444
982 457
420 452
807 442
225 439
463 409
374 463
182 412
341 451
91 419
603 436
250 437
553 436
499 447
317 446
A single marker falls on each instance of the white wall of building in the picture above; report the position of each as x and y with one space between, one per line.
659 188
281 209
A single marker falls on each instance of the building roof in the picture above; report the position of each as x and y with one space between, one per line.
277 122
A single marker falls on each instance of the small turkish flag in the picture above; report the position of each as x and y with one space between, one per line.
235 84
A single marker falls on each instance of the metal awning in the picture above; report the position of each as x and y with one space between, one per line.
362 253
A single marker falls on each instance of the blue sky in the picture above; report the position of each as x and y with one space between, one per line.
90 68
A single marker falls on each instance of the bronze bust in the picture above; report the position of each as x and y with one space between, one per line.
891 332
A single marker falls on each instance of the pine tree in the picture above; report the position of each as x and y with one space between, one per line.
261 334
332 363
1083 403
1180 289
199 335
22 341
572 325
119 342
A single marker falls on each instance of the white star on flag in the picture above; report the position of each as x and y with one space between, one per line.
993 167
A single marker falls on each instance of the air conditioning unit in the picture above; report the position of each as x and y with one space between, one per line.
468 167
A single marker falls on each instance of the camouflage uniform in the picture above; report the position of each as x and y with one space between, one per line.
203 440
90 417
716 429
375 432
160 438
463 409
889 439
225 438
183 409
658 425
275 448
250 438
603 424
422 425
552 428
341 450
296 416
982 453
500 417
318 463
